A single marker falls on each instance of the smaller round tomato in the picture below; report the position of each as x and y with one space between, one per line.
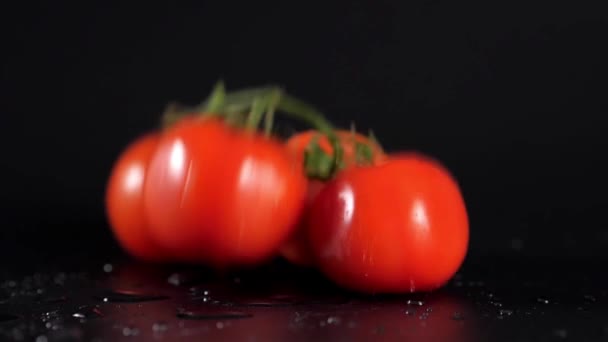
124 200
296 249
298 144
399 226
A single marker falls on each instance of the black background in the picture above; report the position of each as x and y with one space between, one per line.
511 96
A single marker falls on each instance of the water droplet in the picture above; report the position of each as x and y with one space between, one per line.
160 327
7 317
184 278
496 304
88 312
561 333
130 331
197 291
543 300
410 312
108 268
211 313
590 298
129 297
50 316
457 316
429 309
219 325
504 312
42 338
415 302
334 320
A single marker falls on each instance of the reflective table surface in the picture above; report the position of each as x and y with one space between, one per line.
506 298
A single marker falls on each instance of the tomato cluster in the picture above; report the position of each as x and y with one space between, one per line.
211 188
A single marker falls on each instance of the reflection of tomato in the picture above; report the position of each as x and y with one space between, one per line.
124 200
221 195
296 249
439 318
399 226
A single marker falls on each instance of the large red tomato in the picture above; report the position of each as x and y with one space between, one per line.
296 249
124 200
400 226
221 195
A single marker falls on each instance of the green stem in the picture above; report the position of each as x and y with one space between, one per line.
217 98
273 101
372 137
255 116
309 114
241 100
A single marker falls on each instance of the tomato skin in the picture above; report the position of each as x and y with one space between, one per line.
124 200
296 249
400 226
222 196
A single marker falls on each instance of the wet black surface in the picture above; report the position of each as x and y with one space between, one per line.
491 299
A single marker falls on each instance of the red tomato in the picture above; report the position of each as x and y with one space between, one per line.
400 226
296 249
124 200
222 196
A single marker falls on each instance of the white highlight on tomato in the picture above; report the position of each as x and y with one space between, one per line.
135 178
176 159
